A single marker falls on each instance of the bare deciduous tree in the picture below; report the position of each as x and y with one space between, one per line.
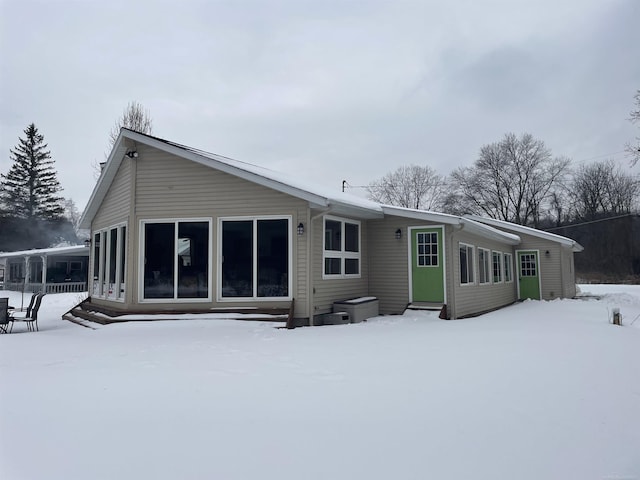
135 117
634 149
409 186
512 180
602 189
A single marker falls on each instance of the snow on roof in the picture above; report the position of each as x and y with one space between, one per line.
284 179
318 197
470 225
68 250
314 194
529 231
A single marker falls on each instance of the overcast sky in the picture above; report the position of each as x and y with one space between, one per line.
327 90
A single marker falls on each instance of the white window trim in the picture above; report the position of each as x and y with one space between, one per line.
500 265
103 262
470 263
141 259
341 254
255 298
488 269
510 256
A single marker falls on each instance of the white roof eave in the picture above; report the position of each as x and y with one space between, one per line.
107 175
469 225
552 237
69 250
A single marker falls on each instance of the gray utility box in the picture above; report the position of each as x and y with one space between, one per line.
359 309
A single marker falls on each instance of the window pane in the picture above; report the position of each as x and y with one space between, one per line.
332 235
464 273
159 248
96 264
113 246
103 260
351 237
123 250
332 266
351 266
193 259
237 258
273 258
507 267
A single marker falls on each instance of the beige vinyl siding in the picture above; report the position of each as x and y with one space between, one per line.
327 291
389 262
170 187
476 298
115 206
551 271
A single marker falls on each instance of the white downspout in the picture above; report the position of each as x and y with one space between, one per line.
311 287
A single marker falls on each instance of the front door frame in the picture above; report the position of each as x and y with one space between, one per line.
519 272
410 258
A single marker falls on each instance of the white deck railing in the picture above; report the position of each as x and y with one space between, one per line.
66 287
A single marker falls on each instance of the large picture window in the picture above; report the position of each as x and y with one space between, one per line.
176 259
341 252
466 264
255 256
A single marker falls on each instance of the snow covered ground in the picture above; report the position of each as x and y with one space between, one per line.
539 390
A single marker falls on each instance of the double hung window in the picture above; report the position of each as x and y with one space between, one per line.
508 266
466 264
484 273
497 266
341 252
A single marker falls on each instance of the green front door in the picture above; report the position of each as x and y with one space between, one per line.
529 274
427 265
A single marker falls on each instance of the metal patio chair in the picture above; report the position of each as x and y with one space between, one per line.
5 320
27 313
32 318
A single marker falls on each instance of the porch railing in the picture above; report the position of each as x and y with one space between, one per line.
66 287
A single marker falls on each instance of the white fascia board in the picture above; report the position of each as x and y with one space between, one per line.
470 226
106 177
575 246
421 215
71 250
348 210
490 232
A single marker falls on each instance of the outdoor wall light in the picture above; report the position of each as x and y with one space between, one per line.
132 154
87 242
547 253
300 229
398 234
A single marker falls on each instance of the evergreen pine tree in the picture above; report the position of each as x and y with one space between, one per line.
29 189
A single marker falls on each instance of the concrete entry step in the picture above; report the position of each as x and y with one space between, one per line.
425 306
